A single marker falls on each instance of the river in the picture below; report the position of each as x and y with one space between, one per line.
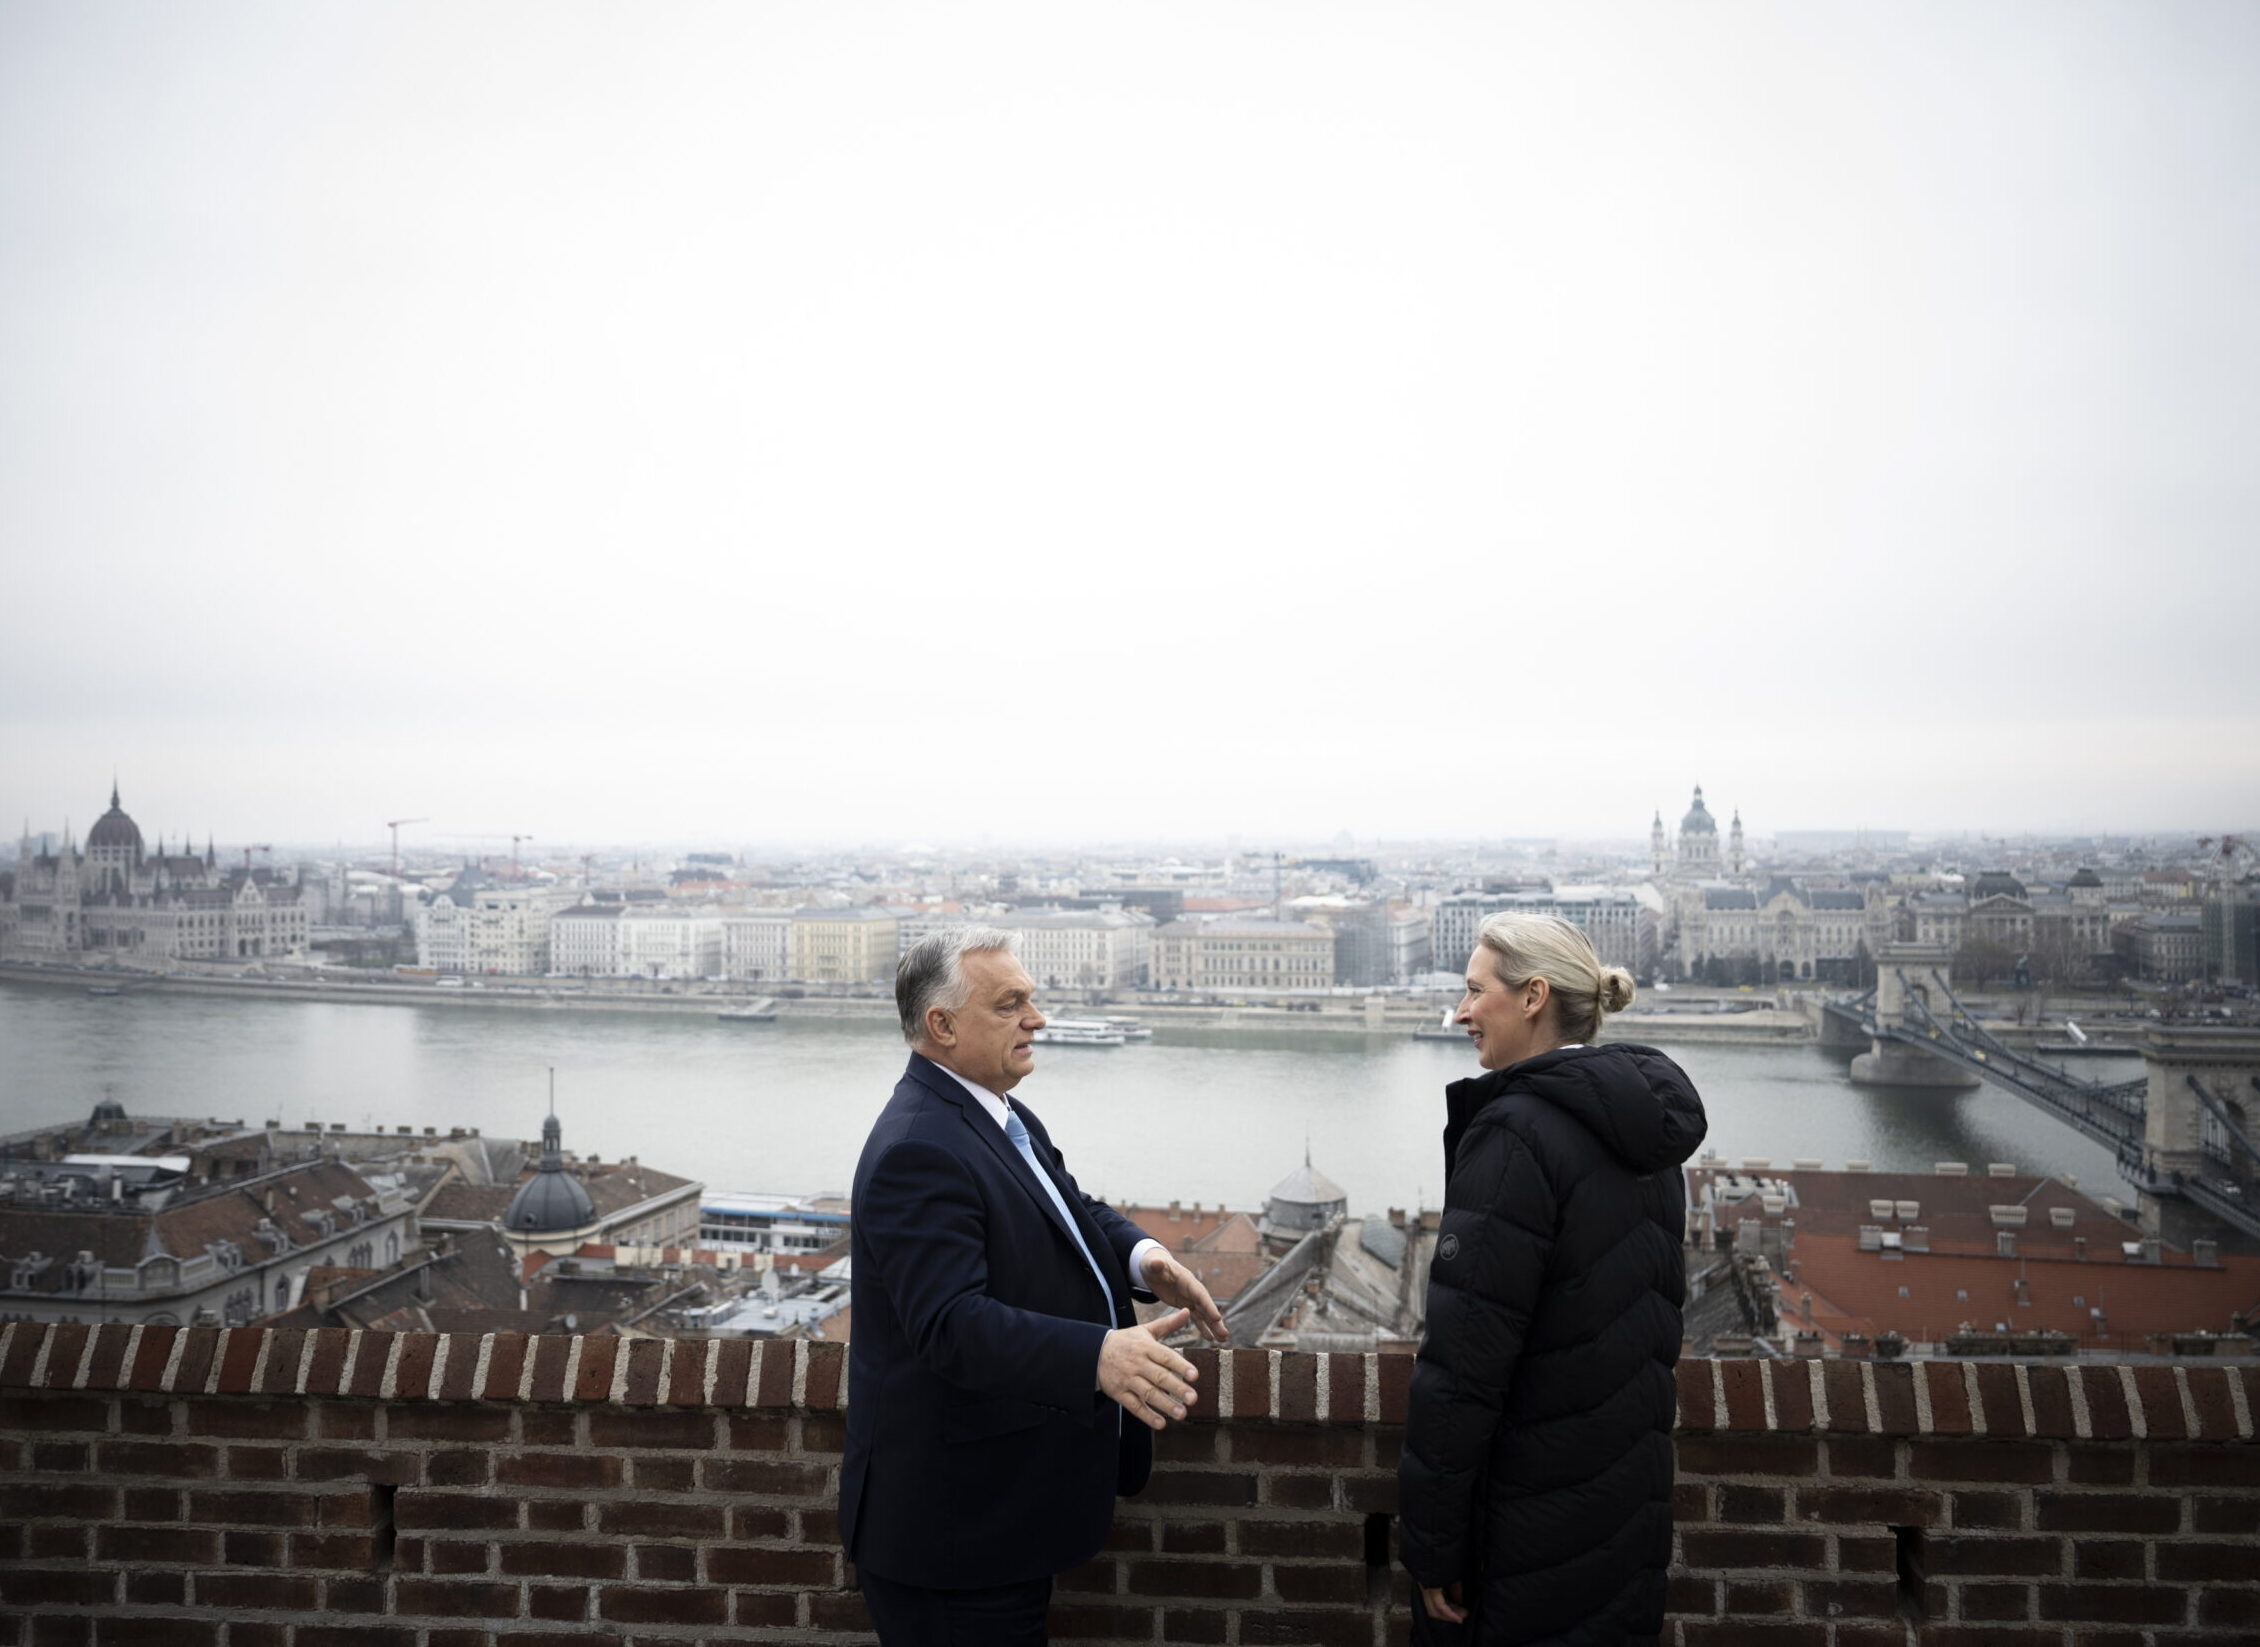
783 1106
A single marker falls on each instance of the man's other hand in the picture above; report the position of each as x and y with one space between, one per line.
1173 1283
1153 1383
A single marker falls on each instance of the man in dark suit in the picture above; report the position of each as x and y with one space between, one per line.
1000 1393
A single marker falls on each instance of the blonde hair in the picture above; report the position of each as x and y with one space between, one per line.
1531 946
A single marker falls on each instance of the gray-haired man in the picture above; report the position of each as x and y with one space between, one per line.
994 1349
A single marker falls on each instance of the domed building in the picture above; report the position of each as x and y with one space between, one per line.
552 1201
115 899
1698 840
1305 1200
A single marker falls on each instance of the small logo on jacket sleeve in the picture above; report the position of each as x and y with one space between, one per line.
1447 1249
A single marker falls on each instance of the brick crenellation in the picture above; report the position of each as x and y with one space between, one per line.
252 1488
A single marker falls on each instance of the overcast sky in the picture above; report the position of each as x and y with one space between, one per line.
757 421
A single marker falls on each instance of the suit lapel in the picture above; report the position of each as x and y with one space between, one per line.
940 1082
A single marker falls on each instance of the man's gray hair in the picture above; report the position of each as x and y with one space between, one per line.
932 972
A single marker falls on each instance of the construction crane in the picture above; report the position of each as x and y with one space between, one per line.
394 826
500 836
257 846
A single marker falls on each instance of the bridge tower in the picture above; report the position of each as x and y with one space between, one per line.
1925 970
2177 1124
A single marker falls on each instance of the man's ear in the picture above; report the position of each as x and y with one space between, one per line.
939 1028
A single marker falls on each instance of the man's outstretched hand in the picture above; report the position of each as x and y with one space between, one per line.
1153 1383
1173 1283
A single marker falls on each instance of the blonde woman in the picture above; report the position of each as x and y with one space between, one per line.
1536 1483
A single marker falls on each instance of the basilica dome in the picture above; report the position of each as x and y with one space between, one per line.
1698 820
552 1199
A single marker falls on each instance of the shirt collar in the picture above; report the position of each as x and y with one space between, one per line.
996 1107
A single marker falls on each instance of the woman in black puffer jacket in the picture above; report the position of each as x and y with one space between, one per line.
1535 1488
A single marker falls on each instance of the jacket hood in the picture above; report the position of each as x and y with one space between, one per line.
1638 1102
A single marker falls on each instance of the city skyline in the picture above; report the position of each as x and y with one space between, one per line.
1028 425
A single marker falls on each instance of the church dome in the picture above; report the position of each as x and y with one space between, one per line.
115 829
1306 1199
552 1199
1698 820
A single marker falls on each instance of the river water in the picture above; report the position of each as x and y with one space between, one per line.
784 1106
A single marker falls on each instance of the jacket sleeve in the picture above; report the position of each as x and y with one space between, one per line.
1483 1286
925 1224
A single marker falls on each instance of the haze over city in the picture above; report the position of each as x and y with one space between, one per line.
766 424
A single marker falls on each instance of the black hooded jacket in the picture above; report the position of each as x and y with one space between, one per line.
1537 1467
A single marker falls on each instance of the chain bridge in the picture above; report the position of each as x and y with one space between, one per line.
2181 1132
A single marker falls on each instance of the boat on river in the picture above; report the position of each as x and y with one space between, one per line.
1442 1030
760 1011
1081 1032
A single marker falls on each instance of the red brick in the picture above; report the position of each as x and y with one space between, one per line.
734 1374
145 1418
1766 1506
456 1555
344 1421
1853 1506
1281 1444
1960 1555
1195 1629
2109 1558
1706 1550
2026 1461
439 1598
2114 1603
327 1365
754 1521
1752 1633
1298 1387
2161 1400
556 1515
1993 1603
1989 1512
1100 1621
364 1379
49 1501
1691 1501
248 1549
2229 1610
1698 1400
620 1604
2061 1512
592 1378
2051 1401
55 1543
1847 1396
2204 1465
751 1609
2004 1408
1867 1553
1895 1397
1200 1487
59 1457
666 1430
2090 1464
2107 1415
1309 1627
506 1366
1395 1373
2211 1513
254 1509
148 1370
648 1520
561 1470
1744 1383
1180 1538
844 1611
1949 1397
479 1426
1694 1595
758 1432
1345 1388
558 1603
1792 1395
551 1560
646 1359
456 1468
1866 1457
551 1427
2216 1409
412 1370
1317 1540
686 1376
1759 1598
105 1368
360 1635
460 1381
1852 1597
68 1344
1330 1582
453 1511
823 1433
2191 1561
666 1563
354 1551
260 1592
550 1353
1703 1455
827 1364
770 1383
258 1464
140 1546
165 1458
662 1475
148 1504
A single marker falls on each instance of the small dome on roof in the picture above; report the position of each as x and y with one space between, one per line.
552 1199
1698 820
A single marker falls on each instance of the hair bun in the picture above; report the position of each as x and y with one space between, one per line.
1616 989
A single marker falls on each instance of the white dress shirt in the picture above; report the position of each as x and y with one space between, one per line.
997 1108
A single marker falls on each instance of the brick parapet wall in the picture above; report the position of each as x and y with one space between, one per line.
211 1488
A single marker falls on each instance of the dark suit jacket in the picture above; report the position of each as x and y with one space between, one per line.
979 1449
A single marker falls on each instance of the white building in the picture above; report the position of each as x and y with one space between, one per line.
585 941
1082 948
482 925
757 944
660 942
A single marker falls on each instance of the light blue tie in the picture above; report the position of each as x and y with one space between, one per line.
1018 1133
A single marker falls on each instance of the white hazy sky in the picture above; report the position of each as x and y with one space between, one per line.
768 421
